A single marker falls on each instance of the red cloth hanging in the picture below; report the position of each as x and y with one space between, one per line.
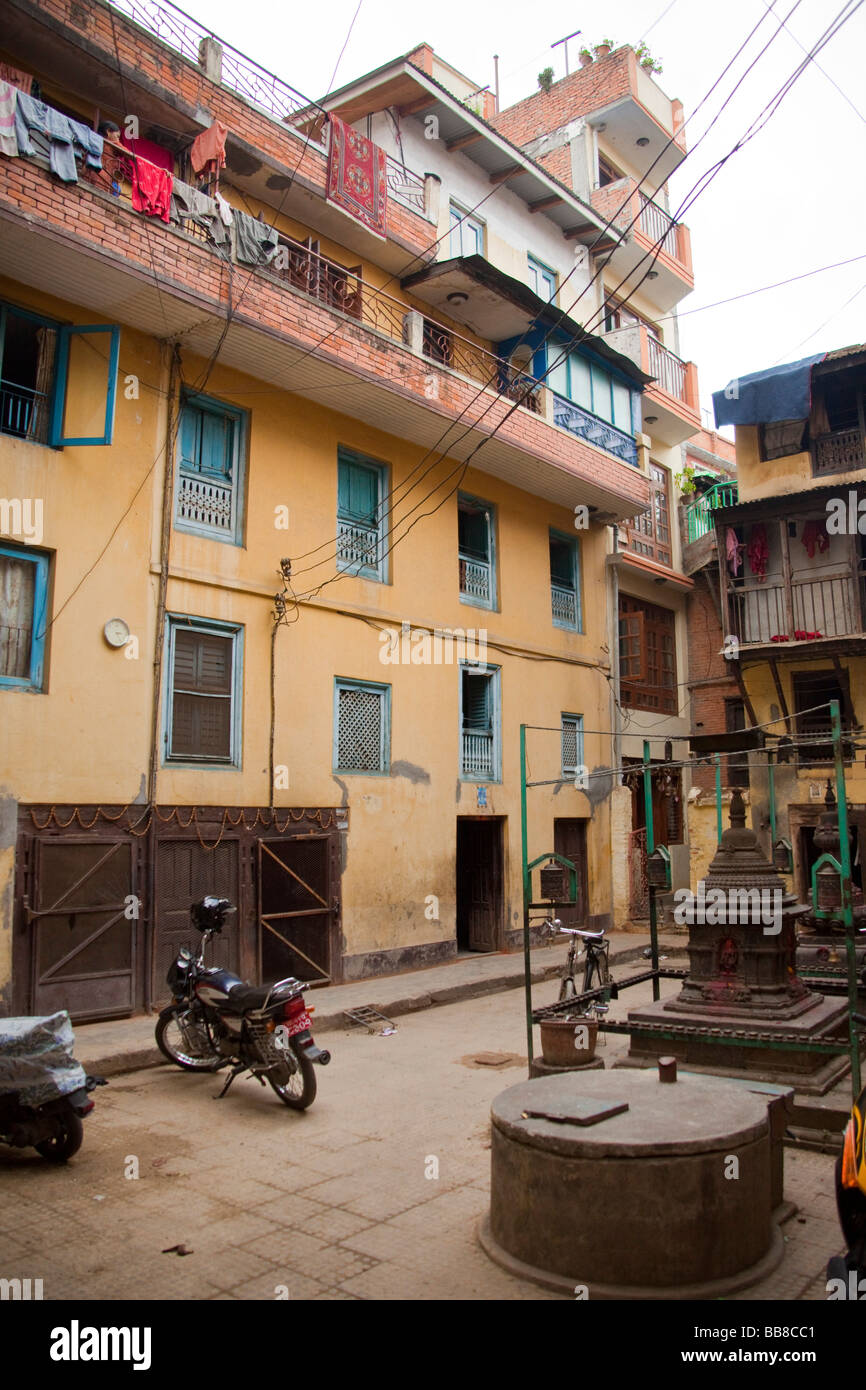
815 537
357 176
209 148
151 189
758 551
151 151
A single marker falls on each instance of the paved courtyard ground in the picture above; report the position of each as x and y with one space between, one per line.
335 1203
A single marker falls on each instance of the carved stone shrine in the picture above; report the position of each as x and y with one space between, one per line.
821 940
742 980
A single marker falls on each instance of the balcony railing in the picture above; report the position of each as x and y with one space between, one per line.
357 545
23 412
668 369
405 185
659 226
475 579
825 607
699 514
477 754
205 502
564 605
185 35
839 452
595 431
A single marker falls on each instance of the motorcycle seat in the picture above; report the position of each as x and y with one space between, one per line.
243 997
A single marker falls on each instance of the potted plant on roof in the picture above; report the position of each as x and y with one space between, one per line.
602 49
646 59
545 79
585 57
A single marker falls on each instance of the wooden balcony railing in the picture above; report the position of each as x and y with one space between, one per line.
564 605
828 607
477 754
839 452
475 579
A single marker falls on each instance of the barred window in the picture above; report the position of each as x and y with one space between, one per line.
361 727
572 744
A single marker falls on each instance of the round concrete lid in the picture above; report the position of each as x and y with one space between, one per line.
692 1115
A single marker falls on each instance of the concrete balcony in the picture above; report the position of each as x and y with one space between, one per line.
655 243
671 409
635 109
374 356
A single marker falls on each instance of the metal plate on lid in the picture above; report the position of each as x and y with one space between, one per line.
578 1110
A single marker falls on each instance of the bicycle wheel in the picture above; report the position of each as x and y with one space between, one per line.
568 989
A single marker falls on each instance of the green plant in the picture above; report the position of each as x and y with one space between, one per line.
545 79
584 53
604 43
646 59
685 481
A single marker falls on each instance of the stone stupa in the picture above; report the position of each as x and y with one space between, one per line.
742 979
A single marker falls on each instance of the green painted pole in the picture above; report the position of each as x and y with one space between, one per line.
650 846
717 759
527 895
847 902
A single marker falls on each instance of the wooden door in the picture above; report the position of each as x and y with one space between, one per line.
186 872
84 924
569 840
479 884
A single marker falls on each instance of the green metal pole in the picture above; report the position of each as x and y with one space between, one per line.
527 895
771 779
847 903
650 846
717 759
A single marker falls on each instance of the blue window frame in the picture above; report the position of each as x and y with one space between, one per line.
23 617
480 723
565 598
593 388
361 521
362 727
542 280
467 233
209 488
204 661
36 355
476 545
572 744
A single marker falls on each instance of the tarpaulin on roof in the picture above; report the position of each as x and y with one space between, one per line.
761 398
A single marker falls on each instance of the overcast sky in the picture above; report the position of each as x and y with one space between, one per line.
790 201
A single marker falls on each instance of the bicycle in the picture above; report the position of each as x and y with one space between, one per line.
597 967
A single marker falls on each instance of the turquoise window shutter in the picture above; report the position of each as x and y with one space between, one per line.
216 444
65 336
358 493
190 438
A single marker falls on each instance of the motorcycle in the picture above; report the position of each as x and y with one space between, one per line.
216 1020
44 1092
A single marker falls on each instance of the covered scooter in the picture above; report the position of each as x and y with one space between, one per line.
44 1092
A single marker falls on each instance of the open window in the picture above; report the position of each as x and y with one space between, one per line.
87 354
23 617
475 552
480 724
565 581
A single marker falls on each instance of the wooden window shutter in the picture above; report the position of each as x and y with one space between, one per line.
202 696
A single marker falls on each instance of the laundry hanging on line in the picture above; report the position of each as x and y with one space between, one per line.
209 148
255 242
188 202
151 189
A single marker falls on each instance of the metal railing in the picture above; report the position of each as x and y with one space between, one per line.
251 81
23 412
564 605
659 226
475 579
699 514
405 185
576 420
357 545
668 369
478 754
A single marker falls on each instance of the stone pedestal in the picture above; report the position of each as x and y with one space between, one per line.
664 1218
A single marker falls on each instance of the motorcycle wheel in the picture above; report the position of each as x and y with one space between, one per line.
295 1089
176 1047
60 1147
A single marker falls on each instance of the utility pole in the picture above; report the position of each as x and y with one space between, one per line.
565 43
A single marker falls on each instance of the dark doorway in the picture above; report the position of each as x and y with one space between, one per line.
295 917
479 884
569 840
186 873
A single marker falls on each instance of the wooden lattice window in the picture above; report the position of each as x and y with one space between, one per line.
650 533
647 656
361 727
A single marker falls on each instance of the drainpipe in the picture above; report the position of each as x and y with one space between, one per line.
616 720
164 544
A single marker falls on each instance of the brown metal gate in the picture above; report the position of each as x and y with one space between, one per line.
296 912
84 925
185 873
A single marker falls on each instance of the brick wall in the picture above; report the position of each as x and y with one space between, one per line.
149 65
586 90
91 220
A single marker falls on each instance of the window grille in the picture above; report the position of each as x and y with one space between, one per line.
361 729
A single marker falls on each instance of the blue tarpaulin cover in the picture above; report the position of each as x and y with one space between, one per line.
763 398
36 1058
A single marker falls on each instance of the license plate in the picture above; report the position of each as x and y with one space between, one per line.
299 1024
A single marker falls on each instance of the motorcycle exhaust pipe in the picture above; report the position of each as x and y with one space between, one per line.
318 1054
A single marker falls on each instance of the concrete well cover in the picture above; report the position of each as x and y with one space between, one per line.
577 1110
